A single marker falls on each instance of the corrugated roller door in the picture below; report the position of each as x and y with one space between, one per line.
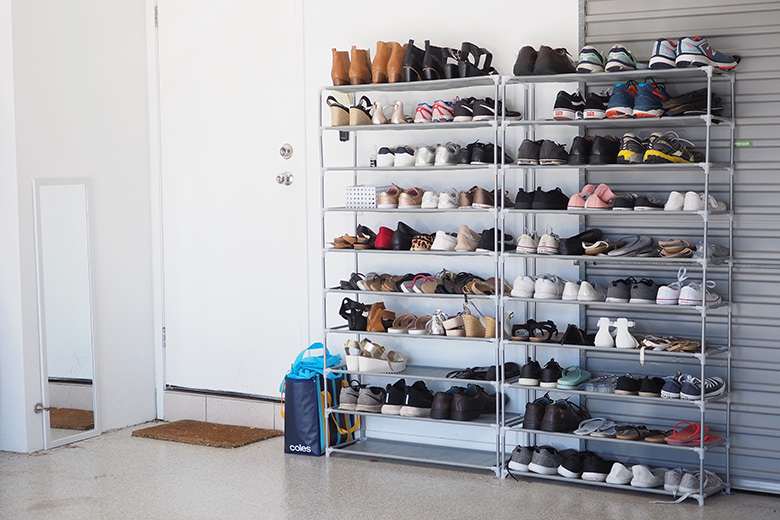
751 30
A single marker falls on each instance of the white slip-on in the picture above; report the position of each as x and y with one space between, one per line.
619 474
693 202
445 154
590 292
645 477
424 155
523 287
448 199
444 242
430 200
675 202
570 291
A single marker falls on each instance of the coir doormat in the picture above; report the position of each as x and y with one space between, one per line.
207 434
71 419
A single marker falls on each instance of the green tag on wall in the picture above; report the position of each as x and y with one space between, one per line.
742 144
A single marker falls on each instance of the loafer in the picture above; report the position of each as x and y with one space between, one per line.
573 245
402 238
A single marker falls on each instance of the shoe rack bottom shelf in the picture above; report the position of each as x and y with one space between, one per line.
414 452
621 487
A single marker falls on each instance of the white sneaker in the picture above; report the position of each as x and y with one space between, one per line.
445 154
430 200
570 291
444 242
404 156
675 202
714 205
693 202
619 474
524 287
424 113
645 477
670 294
590 293
385 157
548 244
448 199
424 155
527 244
548 287
691 294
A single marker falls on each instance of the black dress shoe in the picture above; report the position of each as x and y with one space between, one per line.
581 149
573 245
432 62
402 238
605 150
487 241
413 62
463 156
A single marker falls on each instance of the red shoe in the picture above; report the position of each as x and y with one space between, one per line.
384 238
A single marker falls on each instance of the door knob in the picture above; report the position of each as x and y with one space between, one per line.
38 408
285 178
286 151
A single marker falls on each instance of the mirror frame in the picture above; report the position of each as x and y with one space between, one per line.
48 442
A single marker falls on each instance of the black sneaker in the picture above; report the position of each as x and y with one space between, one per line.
553 199
463 156
479 154
463 111
624 202
651 386
551 373
553 61
645 203
596 469
644 291
596 104
627 385
525 199
396 395
567 105
573 464
487 241
605 150
418 401
528 153
619 291
552 153
485 109
669 148
530 373
632 149
580 150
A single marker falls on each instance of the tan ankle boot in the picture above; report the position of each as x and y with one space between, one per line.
360 67
339 72
395 64
379 66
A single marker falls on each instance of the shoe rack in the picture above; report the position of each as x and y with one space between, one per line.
715 347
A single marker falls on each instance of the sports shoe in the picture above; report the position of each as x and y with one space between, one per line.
568 105
596 104
404 156
675 202
664 54
418 402
590 292
388 199
691 295
445 155
485 110
371 399
523 287
548 287
525 199
348 396
591 60
529 151
521 458
395 395
572 465
424 155
548 244
697 52
620 59
545 461
645 477
645 203
668 148
488 154
619 474
632 149
594 468
672 480
690 483
527 243
463 110
621 102
530 373
411 198
570 291
650 98
553 61
430 200
691 387
553 199
551 373
619 291
695 202
644 291
624 202
672 386
424 113
552 153
448 199
670 294
442 111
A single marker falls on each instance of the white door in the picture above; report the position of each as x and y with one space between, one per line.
231 94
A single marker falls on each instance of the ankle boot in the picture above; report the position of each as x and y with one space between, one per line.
432 62
413 62
360 67
339 72
379 66
395 65
472 62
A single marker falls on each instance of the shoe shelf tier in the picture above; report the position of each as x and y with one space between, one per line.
630 260
416 169
409 253
484 420
413 337
623 306
420 372
673 357
418 86
623 214
398 294
413 126
407 211
679 121
671 167
606 78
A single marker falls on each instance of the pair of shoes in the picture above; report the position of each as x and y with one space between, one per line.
446 63
686 386
462 404
540 199
594 150
636 202
531 244
687 483
477 197
638 476
629 290
361 398
406 156
358 69
582 291
546 377
488 241
397 197
630 99
544 152
478 153
693 102
440 112
619 59
442 200
401 156
693 201
689 52
379 115
569 107
546 61
646 387
473 109
592 197
367 356
409 401
559 416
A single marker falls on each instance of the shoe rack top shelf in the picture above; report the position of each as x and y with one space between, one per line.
633 260
617 77
396 294
420 372
487 254
709 351
417 169
414 126
650 123
385 335
621 213
674 167
419 86
414 209
618 305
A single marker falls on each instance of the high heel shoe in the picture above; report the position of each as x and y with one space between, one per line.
339 71
471 57
379 117
339 114
432 62
395 65
413 62
399 117
379 65
360 67
359 114
451 59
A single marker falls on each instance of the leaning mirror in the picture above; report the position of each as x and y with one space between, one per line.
67 355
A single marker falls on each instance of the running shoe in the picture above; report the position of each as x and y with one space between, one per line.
596 104
697 52
650 98
664 54
632 149
591 60
620 59
621 102
668 148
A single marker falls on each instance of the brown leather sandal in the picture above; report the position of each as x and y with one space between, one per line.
379 319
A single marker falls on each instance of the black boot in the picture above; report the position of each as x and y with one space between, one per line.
433 63
413 63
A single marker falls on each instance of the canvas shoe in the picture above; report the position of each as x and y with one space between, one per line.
404 156
523 287
672 386
424 113
463 111
691 387
619 474
650 98
568 105
442 111
670 294
690 483
668 148
695 202
675 202
697 52
348 396
644 291
430 200
645 203
424 155
570 291
621 102
632 149
691 295
388 199
551 373
645 477
591 60
528 152
395 395
467 239
672 479
620 59
664 55
624 202
530 373
385 157
548 287
545 461
448 199
445 155
548 244
619 291
521 458
418 402
552 153
596 104
590 293
527 244
444 241
411 198
371 399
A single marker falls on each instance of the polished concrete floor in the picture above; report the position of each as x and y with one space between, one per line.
116 476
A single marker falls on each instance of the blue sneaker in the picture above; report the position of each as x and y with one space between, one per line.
664 54
591 60
650 99
620 59
696 52
672 387
621 102
691 387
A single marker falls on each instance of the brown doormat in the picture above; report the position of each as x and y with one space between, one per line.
207 434
71 419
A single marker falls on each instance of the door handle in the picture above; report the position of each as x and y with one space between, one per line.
39 408
285 178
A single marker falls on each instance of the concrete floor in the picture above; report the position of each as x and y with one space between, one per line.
116 476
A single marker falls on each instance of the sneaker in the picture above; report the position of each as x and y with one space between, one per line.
620 59
529 151
521 458
553 61
548 244
395 395
581 148
624 202
418 402
664 54
570 291
568 105
430 200
672 386
523 287
697 52
590 293
424 113
632 149
466 198
548 287
444 241
668 148
619 474
591 60
411 198
596 104
385 157
445 155
545 461
371 399
670 294
388 199
644 291
691 295
602 198
424 155
645 477
448 199
553 199
650 98
488 154
552 153
487 241
690 483
627 385
578 200
526 60
621 102
619 291
485 109
572 465
551 373
463 156
482 198
348 396
675 202
530 373
651 386
442 111
594 468
404 156
463 111
645 203
527 244
525 199
672 479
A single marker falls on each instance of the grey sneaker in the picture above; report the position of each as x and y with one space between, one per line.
348 396
620 290
644 291
545 461
672 480
690 483
521 457
370 399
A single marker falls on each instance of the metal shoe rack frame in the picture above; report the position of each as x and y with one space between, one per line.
505 422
